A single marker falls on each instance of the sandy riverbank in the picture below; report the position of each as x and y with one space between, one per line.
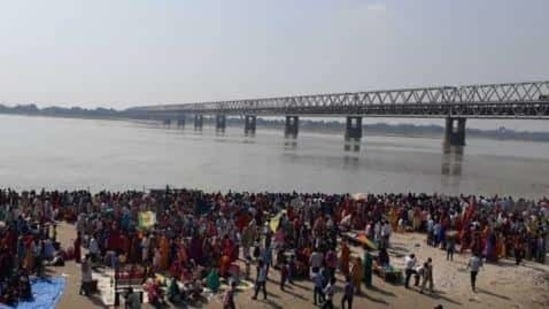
499 286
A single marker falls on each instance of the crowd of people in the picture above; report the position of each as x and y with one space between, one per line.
27 244
198 238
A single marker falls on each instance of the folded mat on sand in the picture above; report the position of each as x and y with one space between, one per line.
46 294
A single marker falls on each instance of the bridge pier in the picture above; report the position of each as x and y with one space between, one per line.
167 122
455 132
249 124
292 127
198 122
181 121
220 123
353 133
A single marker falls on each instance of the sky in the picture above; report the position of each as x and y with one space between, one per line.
123 53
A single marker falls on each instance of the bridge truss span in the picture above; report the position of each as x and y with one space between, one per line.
510 100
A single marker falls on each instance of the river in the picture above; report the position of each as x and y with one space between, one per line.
63 153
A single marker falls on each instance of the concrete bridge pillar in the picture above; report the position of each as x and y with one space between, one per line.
292 127
198 122
167 121
455 132
353 133
220 123
249 124
181 121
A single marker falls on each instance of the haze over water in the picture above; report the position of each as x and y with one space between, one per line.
58 153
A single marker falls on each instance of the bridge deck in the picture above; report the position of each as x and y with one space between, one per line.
528 100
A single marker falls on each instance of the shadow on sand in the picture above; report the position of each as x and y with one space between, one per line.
483 291
381 291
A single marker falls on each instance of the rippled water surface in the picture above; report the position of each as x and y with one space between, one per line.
72 153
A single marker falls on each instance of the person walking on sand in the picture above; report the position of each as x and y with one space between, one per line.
409 264
427 276
475 263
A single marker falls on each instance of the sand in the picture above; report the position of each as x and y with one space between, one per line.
498 286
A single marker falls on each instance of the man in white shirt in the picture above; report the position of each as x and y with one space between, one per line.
410 262
475 263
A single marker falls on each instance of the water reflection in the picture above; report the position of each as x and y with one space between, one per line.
350 161
352 144
290 144
452 160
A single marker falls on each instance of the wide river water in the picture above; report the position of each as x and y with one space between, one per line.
62 153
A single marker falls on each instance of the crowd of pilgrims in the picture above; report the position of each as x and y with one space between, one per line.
200 235
26 247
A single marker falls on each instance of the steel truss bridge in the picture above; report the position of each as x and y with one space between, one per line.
524 100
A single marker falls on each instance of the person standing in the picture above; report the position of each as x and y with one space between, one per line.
368 261
267 257
409 264
86 274
78 248
450 249
357 274
228 298
261 280
284 271
329 292
427 276
318 280
93 249
475 263
348 293
330 261
345 258
38 254
316 260
519 250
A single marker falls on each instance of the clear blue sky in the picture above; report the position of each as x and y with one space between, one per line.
120 53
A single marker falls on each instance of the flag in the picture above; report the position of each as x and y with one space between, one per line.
276 220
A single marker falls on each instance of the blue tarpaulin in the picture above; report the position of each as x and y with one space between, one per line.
46 294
